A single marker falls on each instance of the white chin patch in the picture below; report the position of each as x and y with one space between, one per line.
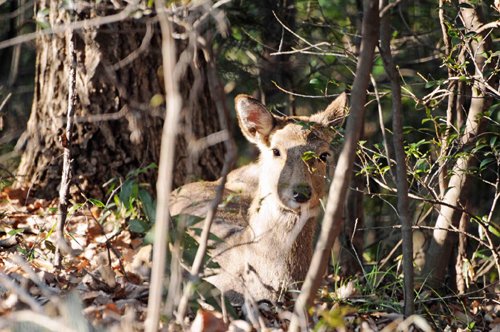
297 207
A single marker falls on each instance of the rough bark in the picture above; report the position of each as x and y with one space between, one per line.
117 128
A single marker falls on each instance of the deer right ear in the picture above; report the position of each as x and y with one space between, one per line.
255 121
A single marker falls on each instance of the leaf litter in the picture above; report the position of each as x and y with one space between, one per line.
105 287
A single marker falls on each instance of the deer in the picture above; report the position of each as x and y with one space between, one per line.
269 216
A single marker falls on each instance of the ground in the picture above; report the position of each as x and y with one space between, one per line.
106 284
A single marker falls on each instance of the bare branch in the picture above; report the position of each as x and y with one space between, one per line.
95 22
401 177
62 246
342 177
165 171
302 95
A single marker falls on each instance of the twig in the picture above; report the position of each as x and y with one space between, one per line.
382 128
295 34
145 44
338 189
62 246
305 50
491 25
389 6
443 169
90 23
301 95
21 10
5 100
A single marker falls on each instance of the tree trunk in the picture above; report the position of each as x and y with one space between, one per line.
118 114
442 243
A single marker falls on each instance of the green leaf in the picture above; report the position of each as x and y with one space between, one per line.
138 226
127 192
157 100
75 207
485 162
493 141
314 81
15 231
236 33
148 205
494 230
308 155
96 202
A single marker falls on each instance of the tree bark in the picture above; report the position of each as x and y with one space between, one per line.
442 242
118 121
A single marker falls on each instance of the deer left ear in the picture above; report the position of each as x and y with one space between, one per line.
334 114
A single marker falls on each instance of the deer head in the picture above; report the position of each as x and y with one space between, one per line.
296 152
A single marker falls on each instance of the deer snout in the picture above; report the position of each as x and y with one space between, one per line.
302 193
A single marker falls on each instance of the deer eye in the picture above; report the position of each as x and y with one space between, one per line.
276 152
324 156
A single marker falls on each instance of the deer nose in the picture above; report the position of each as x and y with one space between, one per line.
302 193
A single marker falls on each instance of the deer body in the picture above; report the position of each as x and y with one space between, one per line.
268 226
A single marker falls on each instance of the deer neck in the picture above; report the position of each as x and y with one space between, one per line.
269 218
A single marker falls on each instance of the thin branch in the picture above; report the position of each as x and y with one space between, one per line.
203 241
491 25
295 34
305 50
62 246
401 177
338 189
5 100
165 169
301 95
145 44
91 23
382 128
389 6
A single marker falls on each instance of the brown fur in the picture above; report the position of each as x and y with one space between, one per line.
269 216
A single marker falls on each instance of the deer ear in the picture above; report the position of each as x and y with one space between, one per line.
334 114
255 121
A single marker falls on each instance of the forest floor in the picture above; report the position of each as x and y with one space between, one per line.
105 286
